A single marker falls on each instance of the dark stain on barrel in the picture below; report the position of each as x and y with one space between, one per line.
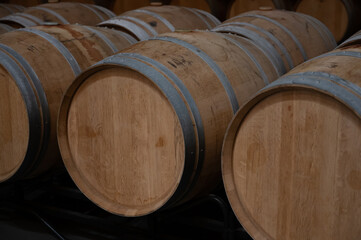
86 41
172 64
333 65
153 23
179 61
160 142
354 180
32 48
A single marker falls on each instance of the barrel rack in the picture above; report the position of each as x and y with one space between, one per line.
59 208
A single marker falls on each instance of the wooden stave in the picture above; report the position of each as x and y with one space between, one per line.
37 153
354 22
288 32
259 40
322 28
309 76
300 45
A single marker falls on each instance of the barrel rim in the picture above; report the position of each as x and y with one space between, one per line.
34 114
65 151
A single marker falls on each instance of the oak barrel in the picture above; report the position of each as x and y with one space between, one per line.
7 9
289 33
147 22
37 65
61 13
152 138
342 17
291 158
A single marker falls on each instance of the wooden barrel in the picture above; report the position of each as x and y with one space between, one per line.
32 88
62 13
288 32
5 28
292 159
342 17
240 6
7 9
153 136
150 21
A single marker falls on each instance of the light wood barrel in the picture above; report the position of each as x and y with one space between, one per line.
152 138
287 33
7 9
32 88
292 159
61 13
150 21
342 17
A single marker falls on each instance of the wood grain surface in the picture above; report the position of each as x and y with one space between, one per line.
333 13
291 34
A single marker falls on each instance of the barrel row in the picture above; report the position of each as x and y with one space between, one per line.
32 148
340 16
153 137
141 23
293 150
